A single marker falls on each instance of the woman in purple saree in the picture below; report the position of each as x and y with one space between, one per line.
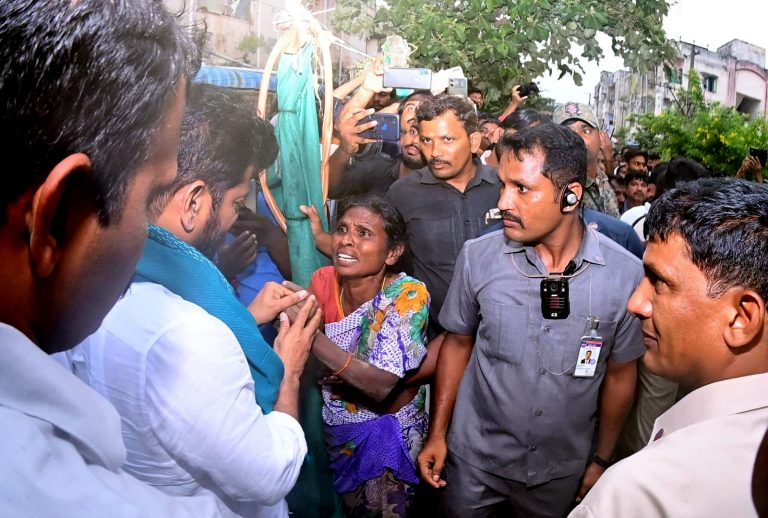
376 321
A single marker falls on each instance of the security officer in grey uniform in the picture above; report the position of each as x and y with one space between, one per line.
515 419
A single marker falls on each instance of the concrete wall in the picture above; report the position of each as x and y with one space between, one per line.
254 17
751 83
743 51
738 66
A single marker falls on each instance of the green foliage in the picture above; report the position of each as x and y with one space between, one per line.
250 43
354 17
717 136
500 43
621 134
690 100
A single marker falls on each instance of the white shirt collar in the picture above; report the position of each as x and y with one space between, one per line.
722 398
34 384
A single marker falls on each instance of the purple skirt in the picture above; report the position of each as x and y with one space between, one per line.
363 451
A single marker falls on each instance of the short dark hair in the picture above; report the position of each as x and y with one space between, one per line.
475 90
631 153
89 76
394 224
418 95
618 179
440 104
492 120
681 169
565 155
220 137
656 176
635 175
521 119
724 223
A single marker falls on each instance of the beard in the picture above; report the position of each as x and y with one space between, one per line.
212 237
412 162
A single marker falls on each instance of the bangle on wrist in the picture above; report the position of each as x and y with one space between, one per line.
349 360
597 459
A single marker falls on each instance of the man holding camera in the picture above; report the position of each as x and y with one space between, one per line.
373 173
524 305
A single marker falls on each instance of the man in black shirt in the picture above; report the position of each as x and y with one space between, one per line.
447 202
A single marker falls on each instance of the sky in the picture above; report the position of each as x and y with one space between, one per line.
709 23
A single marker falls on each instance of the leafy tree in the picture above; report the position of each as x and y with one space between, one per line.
717 136
500 43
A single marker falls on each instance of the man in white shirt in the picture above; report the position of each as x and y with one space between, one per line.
207 406
91 99
703 307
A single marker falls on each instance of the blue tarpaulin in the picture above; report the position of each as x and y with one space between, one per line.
234 77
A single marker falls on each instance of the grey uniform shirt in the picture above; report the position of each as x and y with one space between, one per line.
440 219
520 413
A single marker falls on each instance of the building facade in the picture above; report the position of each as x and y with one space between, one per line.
733 75
242 33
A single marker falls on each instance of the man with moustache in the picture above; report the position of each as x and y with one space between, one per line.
208 407
489 129
446 202
580 119
92 95
702 304
514 425
636 190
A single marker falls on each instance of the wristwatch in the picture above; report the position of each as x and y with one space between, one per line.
597 459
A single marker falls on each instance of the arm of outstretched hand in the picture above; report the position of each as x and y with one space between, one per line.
606 145
373 82
322 238
454 356
293 311
616 396
751 166
351 140
272 300
514 103
292 345
358 374
235 257
267 234
426 371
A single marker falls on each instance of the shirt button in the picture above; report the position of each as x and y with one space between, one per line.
547 329
533 448
543 372
539 412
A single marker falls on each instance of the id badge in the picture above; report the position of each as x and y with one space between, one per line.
589 353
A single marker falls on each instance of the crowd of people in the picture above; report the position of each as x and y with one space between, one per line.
517 318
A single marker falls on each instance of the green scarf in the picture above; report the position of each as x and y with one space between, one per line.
182 269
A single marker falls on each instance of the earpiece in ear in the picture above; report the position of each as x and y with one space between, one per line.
569 199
